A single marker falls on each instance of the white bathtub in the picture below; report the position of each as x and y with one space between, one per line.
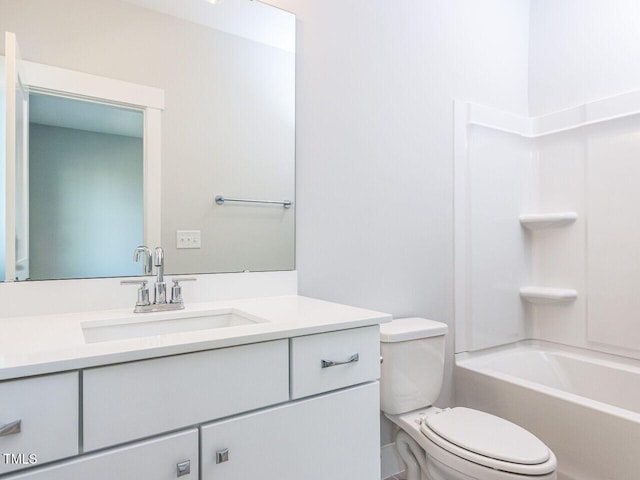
584 405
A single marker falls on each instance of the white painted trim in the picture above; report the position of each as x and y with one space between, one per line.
152 177
22 173
84 85
70 83
10 153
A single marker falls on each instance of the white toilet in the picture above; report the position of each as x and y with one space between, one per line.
453 443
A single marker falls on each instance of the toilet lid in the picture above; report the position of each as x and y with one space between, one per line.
487 435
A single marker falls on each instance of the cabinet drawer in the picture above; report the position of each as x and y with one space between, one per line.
134 400
156 459
47 409
310 372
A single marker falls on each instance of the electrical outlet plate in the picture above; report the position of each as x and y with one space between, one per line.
188 239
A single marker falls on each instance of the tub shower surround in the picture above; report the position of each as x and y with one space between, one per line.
547 248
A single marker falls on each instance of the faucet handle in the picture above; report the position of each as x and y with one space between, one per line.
143 291
176 290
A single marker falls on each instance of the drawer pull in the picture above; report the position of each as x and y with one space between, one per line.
331 363
10 428
222 455
184 468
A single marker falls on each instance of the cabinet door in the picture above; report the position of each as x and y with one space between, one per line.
334 436
163 458
38 419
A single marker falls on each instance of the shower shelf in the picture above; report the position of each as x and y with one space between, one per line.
545 295
539 221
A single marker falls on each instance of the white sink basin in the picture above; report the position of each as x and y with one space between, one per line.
162 323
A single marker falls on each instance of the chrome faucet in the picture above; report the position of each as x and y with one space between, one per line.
160 290
160 303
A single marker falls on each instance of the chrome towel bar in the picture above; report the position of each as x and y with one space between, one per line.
285 203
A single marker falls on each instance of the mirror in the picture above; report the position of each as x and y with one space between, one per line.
227 71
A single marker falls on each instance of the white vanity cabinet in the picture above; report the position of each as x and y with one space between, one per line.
333 436
164 458
303 407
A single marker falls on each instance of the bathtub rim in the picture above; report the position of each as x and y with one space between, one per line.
465 360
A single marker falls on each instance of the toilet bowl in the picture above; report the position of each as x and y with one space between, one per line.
453 443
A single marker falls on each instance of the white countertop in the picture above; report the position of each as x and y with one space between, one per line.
53 343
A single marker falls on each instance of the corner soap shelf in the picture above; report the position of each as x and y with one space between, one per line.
546 295
539 221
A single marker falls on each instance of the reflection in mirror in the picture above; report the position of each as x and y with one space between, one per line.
85 188
227 128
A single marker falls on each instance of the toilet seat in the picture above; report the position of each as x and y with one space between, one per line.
489 441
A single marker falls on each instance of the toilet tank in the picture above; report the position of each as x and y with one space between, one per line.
413 364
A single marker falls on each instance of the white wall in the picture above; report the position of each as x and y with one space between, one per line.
582 50
374 131
375 85
85 203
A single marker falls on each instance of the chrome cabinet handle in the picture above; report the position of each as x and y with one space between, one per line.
222 455
184 468
331 363
11 428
